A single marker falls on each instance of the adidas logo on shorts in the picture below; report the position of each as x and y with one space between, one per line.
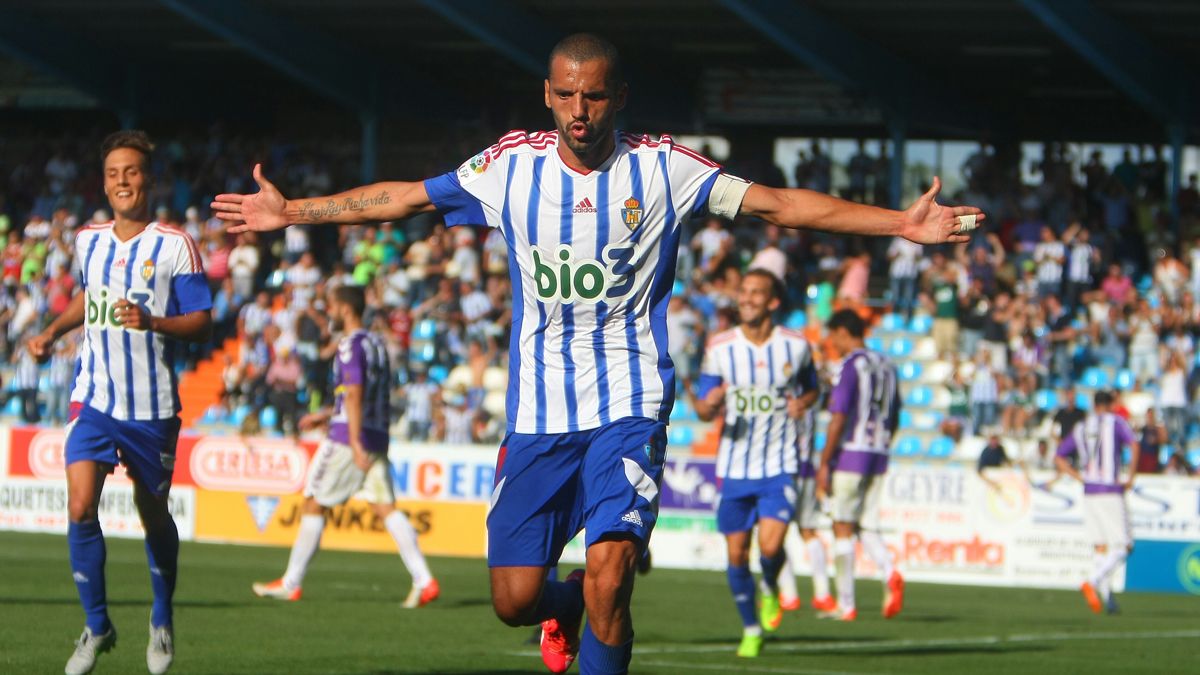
633 517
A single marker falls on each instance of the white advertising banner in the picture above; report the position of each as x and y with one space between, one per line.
38 505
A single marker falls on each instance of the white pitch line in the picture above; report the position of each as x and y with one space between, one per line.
679 667
855 646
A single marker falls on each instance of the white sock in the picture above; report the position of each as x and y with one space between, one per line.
1105 567
877 551
308 540
820 567
406 540
1103 587
787 580
843 556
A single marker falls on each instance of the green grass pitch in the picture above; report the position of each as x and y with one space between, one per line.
350 621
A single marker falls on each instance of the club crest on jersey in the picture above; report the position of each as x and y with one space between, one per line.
148 270
631 215
787 370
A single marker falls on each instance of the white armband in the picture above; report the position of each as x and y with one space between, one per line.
725 199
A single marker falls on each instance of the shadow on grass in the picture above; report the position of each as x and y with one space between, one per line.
789 639
946 650
489 671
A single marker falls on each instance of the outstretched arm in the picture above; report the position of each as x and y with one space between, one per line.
268 209
925 222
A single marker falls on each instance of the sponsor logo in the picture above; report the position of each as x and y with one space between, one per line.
689 485
585 206
47 457
631 215
261 510
917 550
632 517
1189 569
100 309
1011 501
559 277
250 464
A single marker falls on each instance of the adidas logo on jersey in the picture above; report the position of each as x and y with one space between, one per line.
633 517
585 206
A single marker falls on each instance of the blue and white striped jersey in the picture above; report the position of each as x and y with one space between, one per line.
129 374
592 262
759 439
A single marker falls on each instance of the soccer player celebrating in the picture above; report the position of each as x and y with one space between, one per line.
592 218
1096 445
762 377
353 456
143 291
865 407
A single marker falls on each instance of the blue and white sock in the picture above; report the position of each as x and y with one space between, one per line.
162 552
88 553
597 658
741 584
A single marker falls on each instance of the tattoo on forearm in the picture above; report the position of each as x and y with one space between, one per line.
310 210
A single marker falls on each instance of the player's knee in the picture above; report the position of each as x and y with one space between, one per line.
513 611
739 558
81 508
770 550
610 566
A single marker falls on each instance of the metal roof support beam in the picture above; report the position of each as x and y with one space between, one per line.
1141 71
70 58
519 36
312 59
847 59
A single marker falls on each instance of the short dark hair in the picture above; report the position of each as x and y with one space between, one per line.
134 139
776 283
1103 398
849 320
353 296
582 47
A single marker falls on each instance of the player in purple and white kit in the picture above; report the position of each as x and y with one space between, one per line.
592 218
142 292
1096 445
865 407
353 456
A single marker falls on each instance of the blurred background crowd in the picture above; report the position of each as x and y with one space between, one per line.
1077 281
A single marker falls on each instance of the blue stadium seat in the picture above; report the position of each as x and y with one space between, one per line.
910 371
819 441
268 417
426 353
1046 399
797 320
424 329
874 344
921 324
680 434
920 397
906 420
212 415
680 411
941 447
1096 378
1125 379
930 421
900 347
907 446
240 414
438 374
1193 457
892 323
13 407
1083 401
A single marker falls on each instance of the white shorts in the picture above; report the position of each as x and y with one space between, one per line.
1106 520
333 477
808 508
855 498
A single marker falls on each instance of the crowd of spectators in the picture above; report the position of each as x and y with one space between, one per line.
1076 271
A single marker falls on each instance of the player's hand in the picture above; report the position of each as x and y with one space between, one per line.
822 481
927 222
132 316
41 346
362 458
311 421
262 211
796 407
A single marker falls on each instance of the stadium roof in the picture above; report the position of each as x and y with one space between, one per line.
1115 70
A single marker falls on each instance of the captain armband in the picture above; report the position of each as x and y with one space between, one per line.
725 199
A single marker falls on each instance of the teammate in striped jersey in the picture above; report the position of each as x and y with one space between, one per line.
353 456
592 218
142 292
865 407
761 377
1096 445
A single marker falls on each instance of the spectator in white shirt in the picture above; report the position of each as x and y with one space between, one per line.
1049 255
904 269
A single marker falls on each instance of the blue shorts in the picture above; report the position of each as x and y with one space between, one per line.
146 448
550 486
743 502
